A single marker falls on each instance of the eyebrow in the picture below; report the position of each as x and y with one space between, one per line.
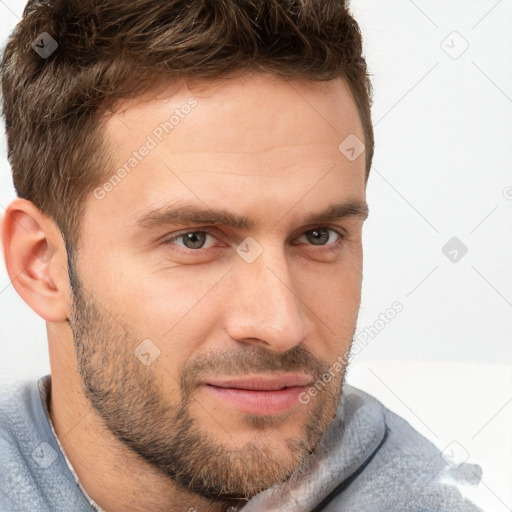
193 215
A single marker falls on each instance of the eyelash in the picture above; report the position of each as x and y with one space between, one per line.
328 247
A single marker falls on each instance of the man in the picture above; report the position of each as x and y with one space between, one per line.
191 180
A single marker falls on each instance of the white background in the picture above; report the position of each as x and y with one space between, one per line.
442 169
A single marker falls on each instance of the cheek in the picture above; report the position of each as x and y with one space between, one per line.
173 295
146 296
175 308
333 285
332 301
167 307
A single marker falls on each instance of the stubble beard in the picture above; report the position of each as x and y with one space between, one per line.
132 406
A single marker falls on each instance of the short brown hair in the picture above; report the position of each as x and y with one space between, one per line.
109 50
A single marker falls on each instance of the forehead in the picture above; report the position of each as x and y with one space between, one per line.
237 140
259 111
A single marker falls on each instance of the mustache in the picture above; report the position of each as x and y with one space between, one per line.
250 360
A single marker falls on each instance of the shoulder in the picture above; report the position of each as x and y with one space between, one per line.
34 475
15 439
407 472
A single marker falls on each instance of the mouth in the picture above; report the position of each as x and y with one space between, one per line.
262 395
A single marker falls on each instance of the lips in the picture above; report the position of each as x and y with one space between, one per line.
259 394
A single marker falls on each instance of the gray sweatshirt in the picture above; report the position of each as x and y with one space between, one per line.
368 460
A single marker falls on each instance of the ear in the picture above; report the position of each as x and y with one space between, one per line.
36 259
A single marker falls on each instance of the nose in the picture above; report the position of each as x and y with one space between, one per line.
265 309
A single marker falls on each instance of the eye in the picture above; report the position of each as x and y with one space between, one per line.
320 236
191 239
196 240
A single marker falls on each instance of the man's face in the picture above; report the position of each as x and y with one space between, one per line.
195 349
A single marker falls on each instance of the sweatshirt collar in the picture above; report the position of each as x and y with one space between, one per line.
350 440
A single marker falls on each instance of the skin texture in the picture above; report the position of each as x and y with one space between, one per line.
151 436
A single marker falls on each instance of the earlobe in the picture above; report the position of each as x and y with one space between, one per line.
35 258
